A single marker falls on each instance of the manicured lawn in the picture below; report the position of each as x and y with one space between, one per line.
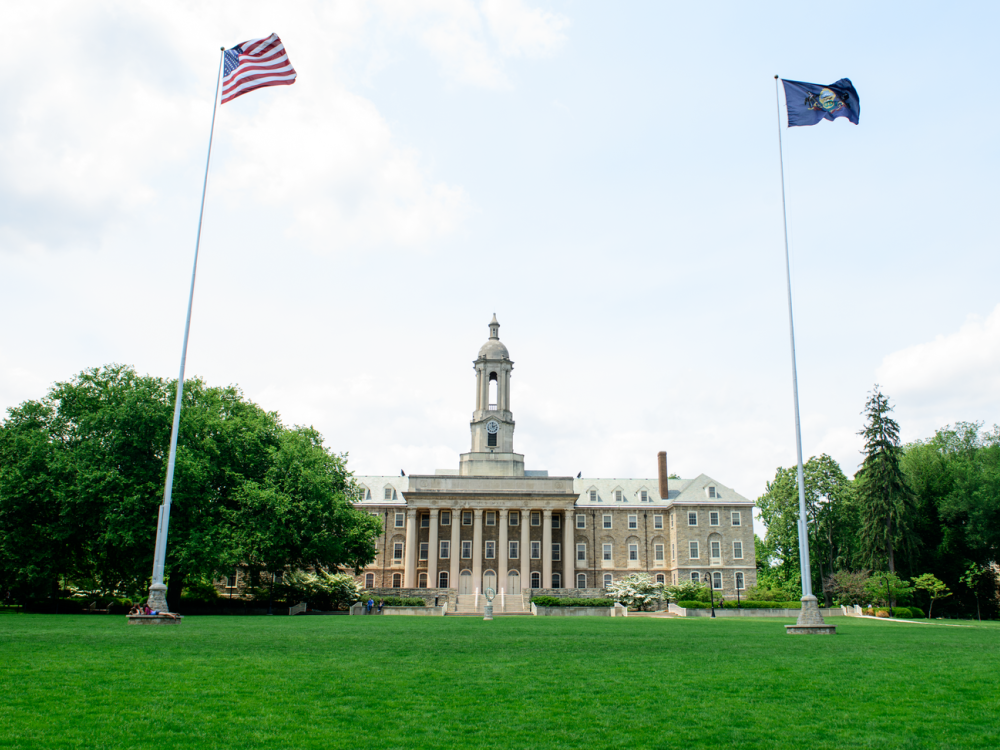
531 682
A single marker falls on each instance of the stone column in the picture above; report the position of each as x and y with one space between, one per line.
456 544
484 389
477 549
502 551
546 549
432 550
525 549
569 549
410 569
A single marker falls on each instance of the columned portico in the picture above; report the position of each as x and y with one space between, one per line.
477 548
546 548
525 550
410 564
432 549
568 553
456 546
502 546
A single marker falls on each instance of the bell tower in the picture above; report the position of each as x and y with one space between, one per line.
492 453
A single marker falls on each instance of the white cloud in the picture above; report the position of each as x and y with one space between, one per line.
525 32
960 370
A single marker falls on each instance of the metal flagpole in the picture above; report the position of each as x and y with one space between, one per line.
157 590
803 526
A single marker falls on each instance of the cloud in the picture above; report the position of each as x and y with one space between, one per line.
525 32
960 370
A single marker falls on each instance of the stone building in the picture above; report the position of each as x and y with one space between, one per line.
491 524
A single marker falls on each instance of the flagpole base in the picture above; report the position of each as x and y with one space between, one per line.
810 621
158 598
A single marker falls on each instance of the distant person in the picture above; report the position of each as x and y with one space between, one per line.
146 610
380 603
371 604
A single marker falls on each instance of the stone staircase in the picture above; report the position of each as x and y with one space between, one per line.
466 605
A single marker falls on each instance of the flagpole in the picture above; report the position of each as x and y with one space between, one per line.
157 589
803 527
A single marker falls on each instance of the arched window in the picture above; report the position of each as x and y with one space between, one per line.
660 578
581 580
694 576
717 581
443 579
739 581
536 580
369 580
607 580
422 581
493 401
397 581
556 581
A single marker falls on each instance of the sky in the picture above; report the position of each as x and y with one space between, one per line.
604 177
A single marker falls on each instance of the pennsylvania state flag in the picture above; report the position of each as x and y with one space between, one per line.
808 103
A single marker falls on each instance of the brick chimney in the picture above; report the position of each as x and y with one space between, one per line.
661 463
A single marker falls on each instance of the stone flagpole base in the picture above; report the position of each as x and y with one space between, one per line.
810 621
158 598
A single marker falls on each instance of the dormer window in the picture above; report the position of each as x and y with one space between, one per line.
643 496
711 493
388 493
618 496
593 496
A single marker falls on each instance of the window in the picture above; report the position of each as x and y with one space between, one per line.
555 522
556 553
425 520
397 581
607 552
633 522
536 580
369 580
607 521
388 493
660 578
422 581
716 550
491 549
694 576
397 551
491 518
581 521
657 522
736 518
423 550
633 552
713 518
711 492
581 580
445 549
536 518
717 581
693 551
231 581
515 518
673 551
643 496
607 580
536 553
738 550
556 581
443 579
692 518
513 551
466 550
491 439
400 520
593 496
467 518
671 520
658 552
618 496
581 552
446 518
739 581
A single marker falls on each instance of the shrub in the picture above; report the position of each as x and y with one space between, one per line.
916 613
396 601
568 601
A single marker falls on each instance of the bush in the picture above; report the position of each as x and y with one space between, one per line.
396 601
559 601
743 605
916 613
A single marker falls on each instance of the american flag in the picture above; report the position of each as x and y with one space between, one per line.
255 64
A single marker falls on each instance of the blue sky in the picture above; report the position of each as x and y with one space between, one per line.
604 177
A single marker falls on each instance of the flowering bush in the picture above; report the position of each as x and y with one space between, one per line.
637 591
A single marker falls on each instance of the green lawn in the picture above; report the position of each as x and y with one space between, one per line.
529 682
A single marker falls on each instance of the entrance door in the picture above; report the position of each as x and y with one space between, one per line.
465 582
489 580
513 582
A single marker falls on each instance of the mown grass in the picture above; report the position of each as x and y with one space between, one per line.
415 682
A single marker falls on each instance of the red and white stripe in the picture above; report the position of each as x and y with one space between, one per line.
263 62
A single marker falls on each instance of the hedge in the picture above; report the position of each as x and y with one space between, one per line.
907 613
558 601
743 605
397 601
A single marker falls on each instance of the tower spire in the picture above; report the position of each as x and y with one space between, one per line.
495 328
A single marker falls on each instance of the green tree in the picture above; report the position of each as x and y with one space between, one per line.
848 586
935 588
888 588
885 501
637 591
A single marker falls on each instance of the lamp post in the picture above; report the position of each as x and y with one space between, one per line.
711 592
888 594
738 598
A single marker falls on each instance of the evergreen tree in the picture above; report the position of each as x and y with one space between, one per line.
885 500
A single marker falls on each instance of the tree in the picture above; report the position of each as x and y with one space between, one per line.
887 588
686 590
972 578
323 588
637 590
885 500
848 587
934 587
